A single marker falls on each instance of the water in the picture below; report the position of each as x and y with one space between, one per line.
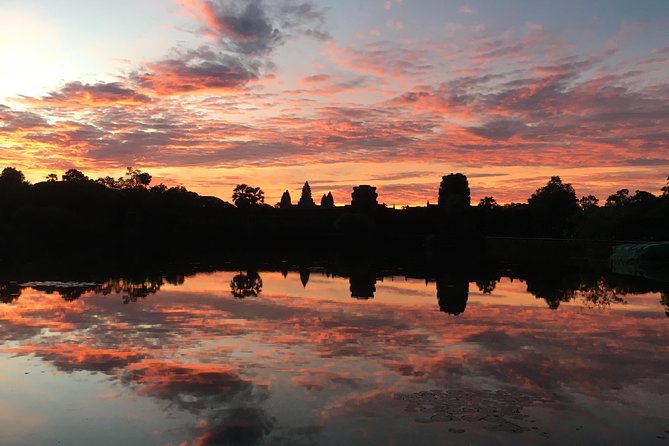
187 363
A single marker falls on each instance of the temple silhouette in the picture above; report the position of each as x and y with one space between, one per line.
78 219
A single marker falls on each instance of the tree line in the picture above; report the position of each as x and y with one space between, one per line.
74 212
555 210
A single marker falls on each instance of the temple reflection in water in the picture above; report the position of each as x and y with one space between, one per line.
318 354
452 286
452 293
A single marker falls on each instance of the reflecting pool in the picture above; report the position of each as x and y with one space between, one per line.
305 357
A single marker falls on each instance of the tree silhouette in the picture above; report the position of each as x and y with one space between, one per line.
158 189
286 202
488 203
589 202
552 207
51 178
454 194
135 178
306 201
12 177
555 192
245 196
665 189
620 198
642 197
74 176
110 182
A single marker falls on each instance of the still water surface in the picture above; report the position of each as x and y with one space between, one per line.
258 358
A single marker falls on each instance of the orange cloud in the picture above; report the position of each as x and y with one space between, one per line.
77 95
495 103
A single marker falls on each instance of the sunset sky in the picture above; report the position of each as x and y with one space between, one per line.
395 93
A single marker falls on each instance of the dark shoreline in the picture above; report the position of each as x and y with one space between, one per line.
555 270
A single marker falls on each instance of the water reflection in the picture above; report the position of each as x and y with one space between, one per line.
228 405
452 293
306 364
362 284
304 275
486 284
9 292
554 286
130 289
246 284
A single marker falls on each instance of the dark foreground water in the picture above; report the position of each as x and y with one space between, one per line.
258 358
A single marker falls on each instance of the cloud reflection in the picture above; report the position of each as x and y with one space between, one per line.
201 351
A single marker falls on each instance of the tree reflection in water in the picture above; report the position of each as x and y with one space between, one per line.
597 289
487 285
132 290
9 292
600 295
553 287
232 366
246 284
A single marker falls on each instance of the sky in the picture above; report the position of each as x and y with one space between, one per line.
209 94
